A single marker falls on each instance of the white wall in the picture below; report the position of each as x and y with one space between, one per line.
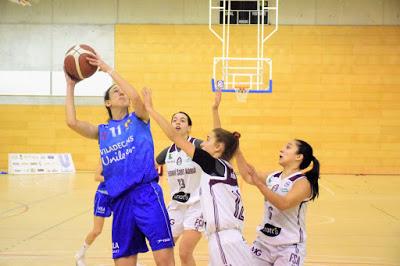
314 12
35 38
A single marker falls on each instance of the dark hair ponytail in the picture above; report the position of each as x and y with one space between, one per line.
230 141
106 98
313 174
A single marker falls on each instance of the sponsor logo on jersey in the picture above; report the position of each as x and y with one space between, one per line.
287 183
101 209
103 135
199 223
271 230
181 196
181 183
256 251
163 240
115 247
171 221
294 259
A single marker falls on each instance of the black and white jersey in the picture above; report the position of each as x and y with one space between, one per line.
220 198
183 174
282 227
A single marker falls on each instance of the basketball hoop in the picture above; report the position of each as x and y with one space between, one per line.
241 93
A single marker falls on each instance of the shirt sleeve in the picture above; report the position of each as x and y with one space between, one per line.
197 143
209 164
160 159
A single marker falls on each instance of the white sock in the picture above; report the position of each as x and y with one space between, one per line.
81 252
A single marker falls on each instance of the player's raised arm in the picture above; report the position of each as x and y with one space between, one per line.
166 127
127 88
81 127
214 108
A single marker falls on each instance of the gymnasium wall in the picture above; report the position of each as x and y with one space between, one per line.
299 12
337 87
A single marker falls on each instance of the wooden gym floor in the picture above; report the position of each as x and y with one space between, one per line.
44 219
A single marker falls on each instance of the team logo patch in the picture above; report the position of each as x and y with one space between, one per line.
103 135
179 161
271 230
275 188
127 123
181 197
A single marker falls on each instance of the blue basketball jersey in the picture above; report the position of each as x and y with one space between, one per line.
127 154
102 188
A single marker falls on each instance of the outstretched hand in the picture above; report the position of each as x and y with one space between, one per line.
217 99
254 176
71 82
147 99
96 60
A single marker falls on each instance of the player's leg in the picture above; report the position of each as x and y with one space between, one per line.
126 261
189 240
261 254
230 248
98 223
164 257
101 210
176 215
152 218
127 239
291 255
193 224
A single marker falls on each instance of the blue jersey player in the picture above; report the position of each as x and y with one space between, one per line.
127 154
101 210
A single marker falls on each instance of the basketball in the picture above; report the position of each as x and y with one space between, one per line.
76 64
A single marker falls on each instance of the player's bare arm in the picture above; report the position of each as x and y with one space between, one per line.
214 108
166 127
127 88
81 127
300 191
247 171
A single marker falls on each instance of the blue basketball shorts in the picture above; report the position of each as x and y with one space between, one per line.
140 214
102 205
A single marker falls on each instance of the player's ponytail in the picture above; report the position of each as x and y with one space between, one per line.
230 141
106 98
312 174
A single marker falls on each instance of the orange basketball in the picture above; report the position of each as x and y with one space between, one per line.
76 64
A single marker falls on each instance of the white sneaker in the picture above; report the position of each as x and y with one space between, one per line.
80 260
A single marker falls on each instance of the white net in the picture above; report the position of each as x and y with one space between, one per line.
241 94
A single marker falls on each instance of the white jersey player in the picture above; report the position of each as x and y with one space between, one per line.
219 196
184 182
282 234
223 210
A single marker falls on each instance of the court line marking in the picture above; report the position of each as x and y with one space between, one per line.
44 231
384 212
27 205
23 206
330 191
329 219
